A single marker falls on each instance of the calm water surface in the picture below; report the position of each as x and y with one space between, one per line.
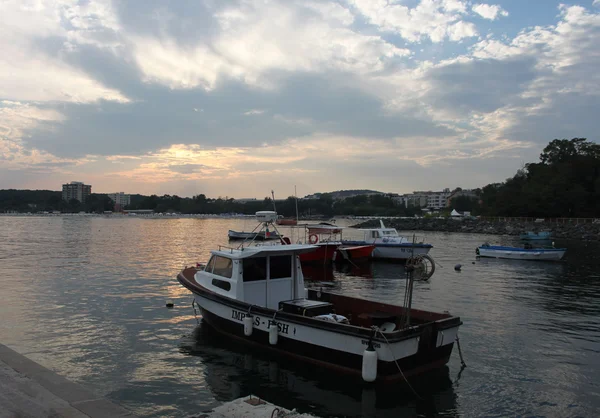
85 297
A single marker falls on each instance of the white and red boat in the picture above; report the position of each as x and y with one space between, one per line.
256 295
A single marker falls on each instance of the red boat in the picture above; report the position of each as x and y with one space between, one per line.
284 221
325 236
353 253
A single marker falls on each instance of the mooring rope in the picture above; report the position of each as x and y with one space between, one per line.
462 361
395 361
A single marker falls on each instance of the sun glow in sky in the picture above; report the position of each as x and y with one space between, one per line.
240 97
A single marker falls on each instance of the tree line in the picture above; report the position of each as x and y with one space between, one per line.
564 183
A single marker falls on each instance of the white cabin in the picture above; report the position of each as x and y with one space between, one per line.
262 275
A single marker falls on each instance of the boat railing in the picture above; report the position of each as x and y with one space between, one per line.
225 247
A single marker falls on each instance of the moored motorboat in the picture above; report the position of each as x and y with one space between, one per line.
256 294
326 238
528 252
389 244
536 236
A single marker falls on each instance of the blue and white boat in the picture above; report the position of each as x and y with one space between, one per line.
389 244
536 236
516 253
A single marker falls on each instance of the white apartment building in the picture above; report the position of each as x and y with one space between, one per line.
121 199
425 199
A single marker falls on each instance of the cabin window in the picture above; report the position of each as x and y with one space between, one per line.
281 266
223 267
374 234
255 269
210 265
222 284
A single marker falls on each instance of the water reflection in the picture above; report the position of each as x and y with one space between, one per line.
86 298
232 371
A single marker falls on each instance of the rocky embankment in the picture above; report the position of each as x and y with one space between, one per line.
581 231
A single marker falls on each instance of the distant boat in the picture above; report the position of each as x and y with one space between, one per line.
516 253
286 221
536 236
262 235
390 245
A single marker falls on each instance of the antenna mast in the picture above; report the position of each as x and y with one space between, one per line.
273 195
296 196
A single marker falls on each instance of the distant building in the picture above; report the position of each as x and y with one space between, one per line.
468 193
121 200
76 190
425 199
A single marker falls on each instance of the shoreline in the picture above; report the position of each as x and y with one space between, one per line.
30 390
581 231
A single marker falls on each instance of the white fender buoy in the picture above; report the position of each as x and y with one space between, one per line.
248 322
369 364
273 334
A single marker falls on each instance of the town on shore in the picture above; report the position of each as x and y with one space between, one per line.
565 184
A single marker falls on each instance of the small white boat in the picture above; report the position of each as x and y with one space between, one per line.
262 235
516 253
536 236
389 244
256 295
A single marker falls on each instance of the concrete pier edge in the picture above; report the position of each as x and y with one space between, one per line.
76 396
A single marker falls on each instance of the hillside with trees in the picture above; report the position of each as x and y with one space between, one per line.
564 183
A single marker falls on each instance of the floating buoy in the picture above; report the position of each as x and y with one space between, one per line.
170 304
248 321
273 333
369 364
457 267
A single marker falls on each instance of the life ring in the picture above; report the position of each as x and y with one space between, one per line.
313 238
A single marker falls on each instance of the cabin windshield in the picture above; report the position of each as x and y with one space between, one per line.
222 267
390 233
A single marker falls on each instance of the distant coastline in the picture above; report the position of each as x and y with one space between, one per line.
585 230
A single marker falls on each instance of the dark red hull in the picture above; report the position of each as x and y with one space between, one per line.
354 253
324 253
286 222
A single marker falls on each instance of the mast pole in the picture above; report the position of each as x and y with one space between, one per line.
296 196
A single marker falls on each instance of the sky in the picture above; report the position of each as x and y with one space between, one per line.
238 98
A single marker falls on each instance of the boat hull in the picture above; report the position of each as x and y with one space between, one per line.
394 251
522 254
354 253
324 254
284 222
330 352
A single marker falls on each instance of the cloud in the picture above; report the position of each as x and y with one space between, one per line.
489 11
436 20
257 38
204 94
30 73
254 112
17 118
